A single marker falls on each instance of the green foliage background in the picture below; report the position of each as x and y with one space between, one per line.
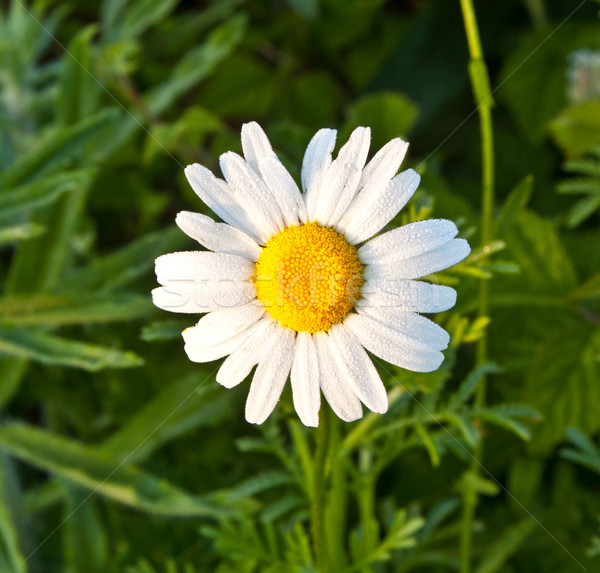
119 455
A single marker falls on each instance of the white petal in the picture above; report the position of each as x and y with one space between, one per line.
393 346
222 325
239 363
357 368
371 211
270 376
317 159
339 182
218 196
260 156
255 144
305 380
410 324
337 392
193 297
440 258
202 266
284 190
416 296
219 237
198 351
251 193
376 174
407 241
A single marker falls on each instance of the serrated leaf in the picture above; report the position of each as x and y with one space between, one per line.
100 472
49 349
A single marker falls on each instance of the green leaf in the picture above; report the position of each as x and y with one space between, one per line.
65 310
389 115
84 536
561 382
100 472
21 199
140 15
10 510
163 330
16 233
78 88
514 204
180 407
506 545
470 383
120 268
58 149
49 349
586 454
197 64
576 130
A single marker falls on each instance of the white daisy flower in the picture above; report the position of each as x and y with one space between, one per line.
294 283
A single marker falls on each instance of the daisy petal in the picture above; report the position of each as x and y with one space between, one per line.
202 351
270 376
222 325
305 380
218 196
439 259
416 296
410 324
340 181
250 192
284 189
219 237
356 366
337 392
255 144
392 346
202 266
376 174
239 363
260 156
317 159
191 297
408 241
371 211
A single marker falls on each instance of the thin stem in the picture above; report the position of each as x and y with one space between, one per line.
479 77
319 497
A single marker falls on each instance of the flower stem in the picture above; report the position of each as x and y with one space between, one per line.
480 84
319 496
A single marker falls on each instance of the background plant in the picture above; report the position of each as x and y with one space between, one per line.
121 455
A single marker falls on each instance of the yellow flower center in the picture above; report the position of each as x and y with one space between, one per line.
308 277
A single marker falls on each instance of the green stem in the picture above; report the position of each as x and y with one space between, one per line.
319 496
366 505
483 98
335 518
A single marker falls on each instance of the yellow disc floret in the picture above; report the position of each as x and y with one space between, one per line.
308 277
